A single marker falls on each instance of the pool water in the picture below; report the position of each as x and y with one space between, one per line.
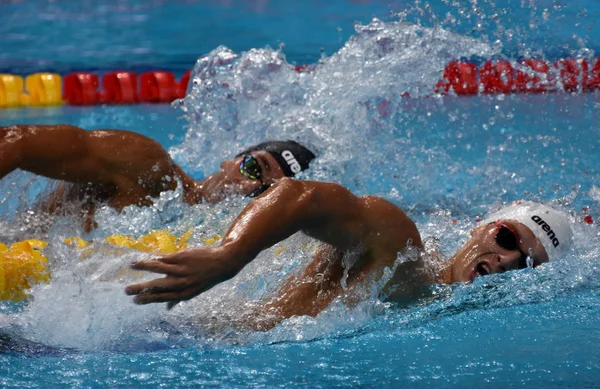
445 160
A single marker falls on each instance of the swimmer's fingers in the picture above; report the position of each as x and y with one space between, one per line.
144 299
157 266
161 291
188 273
161 285
175 259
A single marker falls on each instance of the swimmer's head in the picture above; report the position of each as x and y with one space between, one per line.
549 225
515 237
291 156
255 170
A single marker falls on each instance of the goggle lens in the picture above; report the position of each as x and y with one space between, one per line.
506 237
250 168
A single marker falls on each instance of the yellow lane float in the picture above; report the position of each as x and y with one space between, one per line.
43 89
38 90
11 89
23 264
158 242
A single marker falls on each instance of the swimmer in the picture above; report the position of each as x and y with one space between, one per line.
122 168
368 232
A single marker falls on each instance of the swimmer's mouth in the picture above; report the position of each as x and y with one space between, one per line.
482 269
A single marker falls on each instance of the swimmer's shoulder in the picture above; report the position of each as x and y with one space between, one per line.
121 136
118 145
380 207
389 223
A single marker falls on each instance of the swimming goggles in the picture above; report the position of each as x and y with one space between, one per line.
507 238
250 168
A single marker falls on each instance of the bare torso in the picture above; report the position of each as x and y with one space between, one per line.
332 274
368 231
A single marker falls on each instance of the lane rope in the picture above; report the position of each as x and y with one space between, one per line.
461 78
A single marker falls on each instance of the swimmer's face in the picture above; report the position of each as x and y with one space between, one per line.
231 180
496 248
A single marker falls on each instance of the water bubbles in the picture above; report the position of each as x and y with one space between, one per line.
434 157
346 105
546 14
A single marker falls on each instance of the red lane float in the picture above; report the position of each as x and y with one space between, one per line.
459 77
157 87
161 87
528 76
119 88
80 89
182 86
593 78
533 77
572 73
497 77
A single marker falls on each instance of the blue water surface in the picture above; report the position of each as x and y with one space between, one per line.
444 160
140 35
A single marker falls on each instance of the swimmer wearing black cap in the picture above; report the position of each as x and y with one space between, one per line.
361 238
122 168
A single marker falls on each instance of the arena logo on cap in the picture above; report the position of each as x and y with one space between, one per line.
291 160
546 227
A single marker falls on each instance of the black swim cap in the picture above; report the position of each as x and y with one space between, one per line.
291 156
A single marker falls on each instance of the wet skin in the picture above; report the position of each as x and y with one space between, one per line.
368 229
482 255
114 167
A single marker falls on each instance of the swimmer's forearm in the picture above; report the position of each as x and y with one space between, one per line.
290 206
36 148
54 151
10 153
267 220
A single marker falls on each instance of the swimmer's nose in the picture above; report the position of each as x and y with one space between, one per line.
508 261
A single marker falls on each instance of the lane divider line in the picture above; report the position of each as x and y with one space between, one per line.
461 78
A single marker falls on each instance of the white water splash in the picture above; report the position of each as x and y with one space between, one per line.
349 110
236 100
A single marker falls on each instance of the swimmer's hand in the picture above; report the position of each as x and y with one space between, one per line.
187 274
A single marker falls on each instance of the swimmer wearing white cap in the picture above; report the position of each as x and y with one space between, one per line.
508 238
361 237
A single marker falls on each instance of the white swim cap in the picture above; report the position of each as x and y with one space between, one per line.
550 226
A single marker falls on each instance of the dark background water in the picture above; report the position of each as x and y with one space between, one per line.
63 36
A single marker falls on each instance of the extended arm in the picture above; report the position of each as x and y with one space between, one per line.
10 146
324 211
60 152
69 153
